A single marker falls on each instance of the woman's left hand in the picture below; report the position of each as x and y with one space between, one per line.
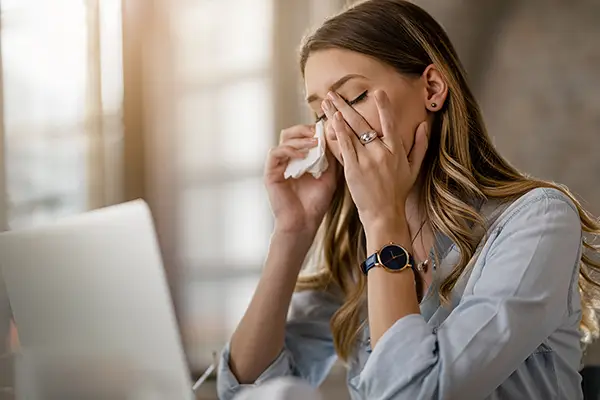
379 174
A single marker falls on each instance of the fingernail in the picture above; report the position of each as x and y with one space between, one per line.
325 105
331 95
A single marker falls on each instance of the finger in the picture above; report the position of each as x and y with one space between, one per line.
417 154
341 125
280 156
392 140
327 104
301 143
298 131
347 140
355 121
329 109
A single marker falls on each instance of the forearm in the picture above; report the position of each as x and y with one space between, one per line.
391 295
259 337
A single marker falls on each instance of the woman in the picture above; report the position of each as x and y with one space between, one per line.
445 273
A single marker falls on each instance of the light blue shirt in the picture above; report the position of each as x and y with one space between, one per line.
511 331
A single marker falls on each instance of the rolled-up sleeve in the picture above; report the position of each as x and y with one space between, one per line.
308 352
520 297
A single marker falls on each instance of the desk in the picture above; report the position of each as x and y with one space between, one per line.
334 386
63 378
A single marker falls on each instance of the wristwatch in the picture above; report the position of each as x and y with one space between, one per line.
391 257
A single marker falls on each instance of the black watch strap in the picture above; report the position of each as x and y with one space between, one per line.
391 264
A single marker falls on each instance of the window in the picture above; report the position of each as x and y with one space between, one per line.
62 86
224 107
205 92
236 83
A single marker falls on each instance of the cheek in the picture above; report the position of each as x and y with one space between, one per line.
406 130
370 113
408 114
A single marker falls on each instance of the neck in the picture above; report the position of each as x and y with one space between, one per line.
416 215
415 208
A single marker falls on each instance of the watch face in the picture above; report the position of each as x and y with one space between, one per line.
393 257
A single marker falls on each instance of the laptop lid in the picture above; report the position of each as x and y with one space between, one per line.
90 297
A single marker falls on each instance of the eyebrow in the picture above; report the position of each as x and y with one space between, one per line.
339 83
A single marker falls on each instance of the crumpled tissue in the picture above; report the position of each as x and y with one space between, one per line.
315 162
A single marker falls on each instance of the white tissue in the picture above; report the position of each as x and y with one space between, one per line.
314 163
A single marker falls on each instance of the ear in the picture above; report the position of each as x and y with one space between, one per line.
436 88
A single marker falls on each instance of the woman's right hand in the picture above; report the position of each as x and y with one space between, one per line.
298 205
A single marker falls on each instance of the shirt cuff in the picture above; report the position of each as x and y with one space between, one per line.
228 385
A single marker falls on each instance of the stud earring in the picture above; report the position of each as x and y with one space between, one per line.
433 105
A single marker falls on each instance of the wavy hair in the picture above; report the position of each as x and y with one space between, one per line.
461 165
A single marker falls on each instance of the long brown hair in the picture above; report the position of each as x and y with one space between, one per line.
461 165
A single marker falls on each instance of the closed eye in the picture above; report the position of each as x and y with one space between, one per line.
360 98
356 100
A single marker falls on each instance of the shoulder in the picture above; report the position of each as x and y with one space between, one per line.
543 224
541 198
539 205
534 248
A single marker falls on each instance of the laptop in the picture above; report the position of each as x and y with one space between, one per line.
93 310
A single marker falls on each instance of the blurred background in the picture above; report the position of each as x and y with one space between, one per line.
178 101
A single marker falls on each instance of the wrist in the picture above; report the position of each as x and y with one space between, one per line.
296 243
384 231
285 258
383 217
299 235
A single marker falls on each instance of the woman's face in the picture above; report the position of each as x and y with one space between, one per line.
355 77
